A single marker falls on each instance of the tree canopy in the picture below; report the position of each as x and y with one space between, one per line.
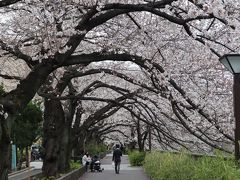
108 61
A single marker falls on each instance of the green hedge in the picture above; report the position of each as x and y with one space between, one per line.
136 158
166 166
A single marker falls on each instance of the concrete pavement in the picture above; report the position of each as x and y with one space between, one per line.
126 171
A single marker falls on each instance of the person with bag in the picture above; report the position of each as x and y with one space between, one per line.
117 153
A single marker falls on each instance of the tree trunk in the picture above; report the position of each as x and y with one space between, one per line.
5 146
20 159
69 139
149 139
139 136
66 147
75 133
12 103
52 134
64 159
27 158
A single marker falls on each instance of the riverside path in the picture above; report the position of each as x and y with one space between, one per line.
126 172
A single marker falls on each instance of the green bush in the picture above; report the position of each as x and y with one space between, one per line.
136 158
161 166
74 165
95 148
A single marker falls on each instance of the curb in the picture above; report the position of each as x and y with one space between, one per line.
20 171
73 175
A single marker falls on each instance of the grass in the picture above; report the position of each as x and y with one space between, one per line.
167 166
136 158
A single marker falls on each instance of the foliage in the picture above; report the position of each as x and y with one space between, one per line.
169 166
2 91
75 165
49 178
136 158
95 148
27 126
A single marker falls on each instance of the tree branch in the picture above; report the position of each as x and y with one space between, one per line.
4 3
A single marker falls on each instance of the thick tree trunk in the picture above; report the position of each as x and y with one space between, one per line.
5 146
12 103
5 149
66 146
52 134
64 159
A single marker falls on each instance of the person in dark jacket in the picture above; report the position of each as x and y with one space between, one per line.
117 153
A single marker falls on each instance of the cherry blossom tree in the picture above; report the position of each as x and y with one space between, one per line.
48 35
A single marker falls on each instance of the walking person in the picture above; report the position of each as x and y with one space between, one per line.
117 153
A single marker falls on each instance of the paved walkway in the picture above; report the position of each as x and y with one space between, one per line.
126 172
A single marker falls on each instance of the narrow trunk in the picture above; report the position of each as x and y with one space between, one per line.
27 158
52 133
139 136
150 139
141 146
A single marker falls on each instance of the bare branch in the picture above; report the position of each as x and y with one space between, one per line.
4 3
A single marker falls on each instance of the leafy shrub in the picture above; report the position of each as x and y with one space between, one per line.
161 166
136 158
95 148
74 165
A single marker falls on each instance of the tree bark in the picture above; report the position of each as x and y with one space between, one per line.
27 157
20 159
64 159
65 146
52 134
12 103
5 147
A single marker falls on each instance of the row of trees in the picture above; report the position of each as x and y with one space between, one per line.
110 66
